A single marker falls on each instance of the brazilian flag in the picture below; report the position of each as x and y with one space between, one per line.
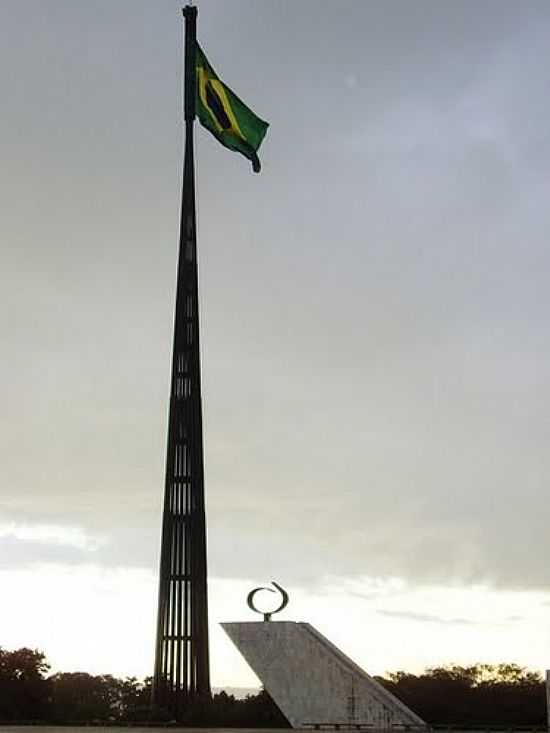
222 112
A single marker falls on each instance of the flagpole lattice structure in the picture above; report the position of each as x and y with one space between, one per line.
181 673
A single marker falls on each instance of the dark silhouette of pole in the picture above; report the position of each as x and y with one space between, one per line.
181 672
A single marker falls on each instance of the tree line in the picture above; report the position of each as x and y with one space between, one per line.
479 695
29 693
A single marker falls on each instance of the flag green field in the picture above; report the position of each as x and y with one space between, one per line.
222 112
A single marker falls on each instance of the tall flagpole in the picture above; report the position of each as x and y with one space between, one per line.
181 672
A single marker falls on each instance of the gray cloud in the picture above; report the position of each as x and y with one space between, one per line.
374 304
17 554
426 618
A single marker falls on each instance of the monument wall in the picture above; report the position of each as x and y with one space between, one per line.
313 682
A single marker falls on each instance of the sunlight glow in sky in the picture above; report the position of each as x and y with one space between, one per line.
107 618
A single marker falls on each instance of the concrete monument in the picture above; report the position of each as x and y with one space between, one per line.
314 683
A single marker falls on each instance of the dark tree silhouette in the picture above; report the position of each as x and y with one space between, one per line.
24 693
483 694
479 695
135 699
78 696
254 711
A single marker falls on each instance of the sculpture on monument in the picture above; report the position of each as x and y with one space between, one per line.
314 683
267 614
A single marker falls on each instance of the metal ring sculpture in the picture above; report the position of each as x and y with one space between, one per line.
267 616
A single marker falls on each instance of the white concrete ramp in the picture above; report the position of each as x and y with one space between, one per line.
313 682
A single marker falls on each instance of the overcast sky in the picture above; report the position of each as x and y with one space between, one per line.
374 306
